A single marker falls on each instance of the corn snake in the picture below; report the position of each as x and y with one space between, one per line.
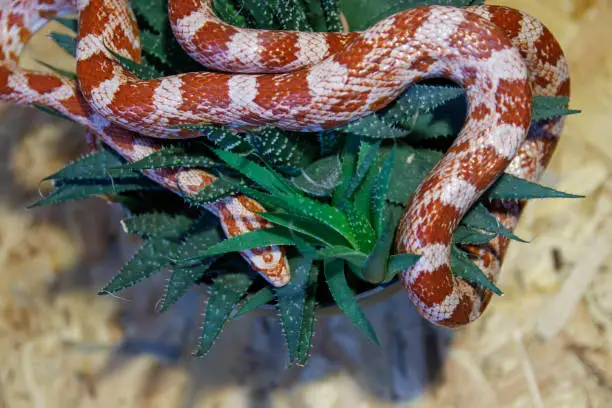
312 81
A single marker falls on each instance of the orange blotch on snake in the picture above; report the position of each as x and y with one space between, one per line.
214 38
335 41
250 204
180 9
548 50
196 90
133 100
461 313
433 287
4 75
96 23
480 112
279 50
512 101
24 34
15 20
48 14
228 221
507 19
43 83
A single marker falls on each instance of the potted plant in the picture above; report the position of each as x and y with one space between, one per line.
333 198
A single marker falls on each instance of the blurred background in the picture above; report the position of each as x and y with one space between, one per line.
546 343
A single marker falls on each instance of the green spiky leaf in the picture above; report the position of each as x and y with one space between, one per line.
290 303
102 164
67 42
202 236
283 150
549 107
470 236
365 159
222 138
171 157
152 257
157 224
321 177
308 317
306 207
372 126
480 218
419 99
376 269
306 226
59 71
511 187
217 190
398 263
329 142
464 268
349 164
362 230
376 266
262 297
379 193
225 293
331 11
262 14
181 280
155 45
315 15
82 189
291 15
154 12
163 50
267 178
228 13
93 165
362 196
248 240
340 252
345 298
444 121
409 168
412 112
140 70
70 23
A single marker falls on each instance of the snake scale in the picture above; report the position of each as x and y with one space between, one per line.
304 81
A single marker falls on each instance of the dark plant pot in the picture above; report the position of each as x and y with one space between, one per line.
369 297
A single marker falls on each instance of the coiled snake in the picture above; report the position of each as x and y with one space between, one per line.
312 81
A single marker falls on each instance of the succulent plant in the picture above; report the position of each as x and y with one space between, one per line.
334 197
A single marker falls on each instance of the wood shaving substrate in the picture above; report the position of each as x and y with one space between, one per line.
546 343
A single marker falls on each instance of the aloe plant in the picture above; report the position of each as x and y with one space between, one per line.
334 198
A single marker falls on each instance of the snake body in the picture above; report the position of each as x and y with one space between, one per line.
312 81
18 20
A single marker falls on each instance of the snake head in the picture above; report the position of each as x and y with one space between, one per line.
271 263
